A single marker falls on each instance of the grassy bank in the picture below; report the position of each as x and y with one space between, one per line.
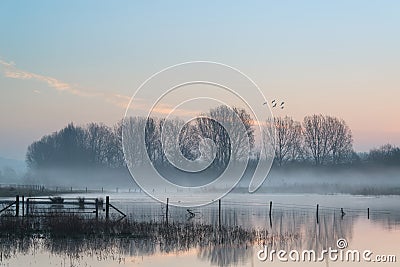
11 191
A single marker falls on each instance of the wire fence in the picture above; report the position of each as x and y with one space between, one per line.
227 211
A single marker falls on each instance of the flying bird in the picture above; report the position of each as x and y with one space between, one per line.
275 103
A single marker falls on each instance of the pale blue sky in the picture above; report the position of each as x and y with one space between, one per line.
339 57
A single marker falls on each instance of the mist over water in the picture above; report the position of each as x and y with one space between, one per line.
364 181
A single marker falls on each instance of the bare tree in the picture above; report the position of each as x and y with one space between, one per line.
214 131
189 141
240 151
326 138
230 130
133 140
288 138
116 146
341 140
386 154
99 139
316 138
171 144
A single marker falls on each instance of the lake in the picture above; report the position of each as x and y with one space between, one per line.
293 226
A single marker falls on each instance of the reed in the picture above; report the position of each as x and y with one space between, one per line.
61 225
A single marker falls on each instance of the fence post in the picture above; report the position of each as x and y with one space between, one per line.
219 213
27 207
107 207
270 214
317 213
97 208
23 206
368 213
166 211
270 208
17 206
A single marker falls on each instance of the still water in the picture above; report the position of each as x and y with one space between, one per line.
294 225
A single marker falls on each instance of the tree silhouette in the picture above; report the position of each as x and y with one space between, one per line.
288 139
324 140
327 139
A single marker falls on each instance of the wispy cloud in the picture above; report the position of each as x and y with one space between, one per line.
166 109
11 71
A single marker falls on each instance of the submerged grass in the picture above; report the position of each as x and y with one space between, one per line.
179 234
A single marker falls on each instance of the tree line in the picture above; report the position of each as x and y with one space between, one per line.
221 135
93 145
321 139
324 140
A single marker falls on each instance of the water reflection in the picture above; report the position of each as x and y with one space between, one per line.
225 255
287 228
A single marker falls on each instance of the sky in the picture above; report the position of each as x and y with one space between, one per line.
81 61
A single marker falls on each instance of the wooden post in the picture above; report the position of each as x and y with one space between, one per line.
317 213
166 211
219 213
97 208
17 206
27 207
368 213
23 206
270 208
107 207
270 214
270 221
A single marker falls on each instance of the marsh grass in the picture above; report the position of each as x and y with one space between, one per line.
75 237
59 225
